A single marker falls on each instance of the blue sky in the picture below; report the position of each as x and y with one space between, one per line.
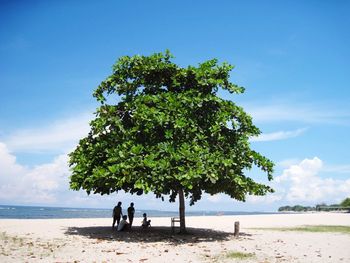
291 56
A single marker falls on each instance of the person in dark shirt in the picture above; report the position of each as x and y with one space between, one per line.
131 213
117 213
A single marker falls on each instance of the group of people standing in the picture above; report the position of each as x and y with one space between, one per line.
123 224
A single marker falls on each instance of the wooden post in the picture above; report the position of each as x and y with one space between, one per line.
236 233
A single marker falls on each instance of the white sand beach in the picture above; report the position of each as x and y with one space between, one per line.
210 240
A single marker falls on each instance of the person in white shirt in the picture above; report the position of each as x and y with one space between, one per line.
123 224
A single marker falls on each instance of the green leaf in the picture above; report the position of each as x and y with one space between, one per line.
113 169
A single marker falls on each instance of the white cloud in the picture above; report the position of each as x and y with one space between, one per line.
280 135
56 137
46 184
43 184
8 164
298 113
342 169
30 185
288 162
302 183
266 199
299 172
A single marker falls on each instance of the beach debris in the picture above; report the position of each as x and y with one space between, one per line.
143 259
108 250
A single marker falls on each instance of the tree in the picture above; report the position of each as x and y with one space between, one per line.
169 134
346 202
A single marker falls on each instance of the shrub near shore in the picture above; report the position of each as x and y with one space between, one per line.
343 206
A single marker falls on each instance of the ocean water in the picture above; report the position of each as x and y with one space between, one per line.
42 212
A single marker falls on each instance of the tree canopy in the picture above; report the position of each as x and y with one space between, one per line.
163 128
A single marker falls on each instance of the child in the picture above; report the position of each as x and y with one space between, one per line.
145 223
123 224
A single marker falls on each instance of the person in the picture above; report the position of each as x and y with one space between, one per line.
131 213
123 225
117 212
145 223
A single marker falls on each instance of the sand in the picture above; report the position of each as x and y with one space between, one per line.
210 240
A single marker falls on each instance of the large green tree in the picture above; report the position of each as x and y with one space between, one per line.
162 128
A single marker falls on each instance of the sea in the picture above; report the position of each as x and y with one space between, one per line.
44 212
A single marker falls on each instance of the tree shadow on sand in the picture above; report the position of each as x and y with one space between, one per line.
153 234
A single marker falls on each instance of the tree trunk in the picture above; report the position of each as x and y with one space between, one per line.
182 211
